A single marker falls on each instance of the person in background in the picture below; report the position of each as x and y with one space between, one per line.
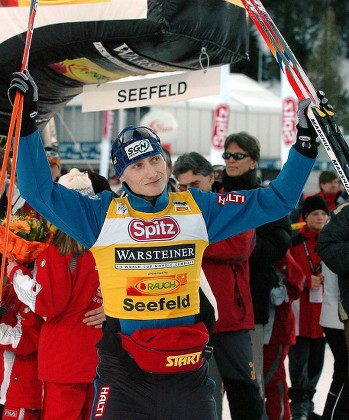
279 334
20 390
170 230
241 155
333 247
225 265
337 402
329 189
62 288
306 357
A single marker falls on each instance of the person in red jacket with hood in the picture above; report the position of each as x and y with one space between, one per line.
306 357
63 288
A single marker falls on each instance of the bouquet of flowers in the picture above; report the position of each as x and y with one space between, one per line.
27 237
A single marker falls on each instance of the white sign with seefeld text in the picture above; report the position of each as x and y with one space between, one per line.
134 92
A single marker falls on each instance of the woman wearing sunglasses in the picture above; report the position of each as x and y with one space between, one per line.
241 155
148 248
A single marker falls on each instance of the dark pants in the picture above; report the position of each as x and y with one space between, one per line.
337 402
306 360
120 396
234 358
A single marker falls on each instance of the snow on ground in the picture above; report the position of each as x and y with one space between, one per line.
322 388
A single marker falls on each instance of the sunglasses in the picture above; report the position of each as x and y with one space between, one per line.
235 156
137 133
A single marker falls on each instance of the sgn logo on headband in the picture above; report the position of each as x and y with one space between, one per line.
138 148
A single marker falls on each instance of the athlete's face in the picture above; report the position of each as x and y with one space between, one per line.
147 177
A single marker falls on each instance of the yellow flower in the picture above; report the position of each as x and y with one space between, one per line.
28 227
18 225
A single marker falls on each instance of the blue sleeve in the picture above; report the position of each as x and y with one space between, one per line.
81 217
232 213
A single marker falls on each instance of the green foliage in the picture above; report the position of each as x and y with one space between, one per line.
323 64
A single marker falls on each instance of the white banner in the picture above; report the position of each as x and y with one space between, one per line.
15 19
145 91
108 119
288 118
221 119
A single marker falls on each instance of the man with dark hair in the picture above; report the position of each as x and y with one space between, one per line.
195 164
241 155
225 265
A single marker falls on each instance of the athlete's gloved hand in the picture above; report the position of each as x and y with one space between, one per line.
23 82
307 141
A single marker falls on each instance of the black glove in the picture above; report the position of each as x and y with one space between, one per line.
307 141
23 82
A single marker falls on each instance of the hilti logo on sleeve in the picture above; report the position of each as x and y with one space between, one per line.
102 400
223 199
162 229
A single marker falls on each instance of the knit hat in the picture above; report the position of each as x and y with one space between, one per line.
312 203
134 144
78 181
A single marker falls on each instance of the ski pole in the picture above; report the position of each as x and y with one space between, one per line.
15 125
321 117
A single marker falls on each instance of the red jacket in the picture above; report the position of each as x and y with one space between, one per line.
331 199
226 267
67 347
284 328
307 313
19 337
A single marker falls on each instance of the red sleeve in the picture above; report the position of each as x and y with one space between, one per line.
20 327
233 250
293 276
31 326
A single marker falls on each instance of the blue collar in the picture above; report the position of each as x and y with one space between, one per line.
146 206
